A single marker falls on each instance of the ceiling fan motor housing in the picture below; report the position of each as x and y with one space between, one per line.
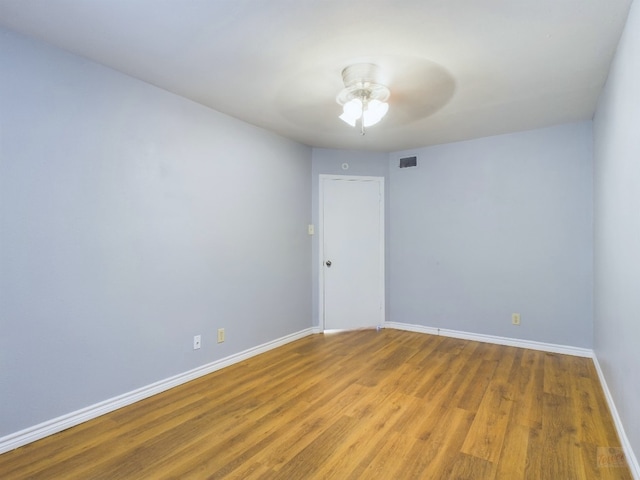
362 80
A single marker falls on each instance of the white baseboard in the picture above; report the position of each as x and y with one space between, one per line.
479 337
632 461
411 328
37 432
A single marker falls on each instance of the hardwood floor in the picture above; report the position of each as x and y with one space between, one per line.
369 404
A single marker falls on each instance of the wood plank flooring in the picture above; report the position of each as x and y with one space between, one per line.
369 404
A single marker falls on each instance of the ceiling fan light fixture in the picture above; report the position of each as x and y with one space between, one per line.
374 112
363 97
352 111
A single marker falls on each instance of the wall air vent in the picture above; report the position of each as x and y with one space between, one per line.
407 162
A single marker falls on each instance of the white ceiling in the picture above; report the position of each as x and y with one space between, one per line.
457 69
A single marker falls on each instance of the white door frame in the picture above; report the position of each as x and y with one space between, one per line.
380 180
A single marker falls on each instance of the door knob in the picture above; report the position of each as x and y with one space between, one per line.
328 263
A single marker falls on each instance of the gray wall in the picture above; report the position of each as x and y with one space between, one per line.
329 162
617 229
130 220
485 228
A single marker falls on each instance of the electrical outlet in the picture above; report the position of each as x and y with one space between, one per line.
197 342
515 318
220 335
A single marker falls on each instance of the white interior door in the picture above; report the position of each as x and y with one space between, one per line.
352 252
